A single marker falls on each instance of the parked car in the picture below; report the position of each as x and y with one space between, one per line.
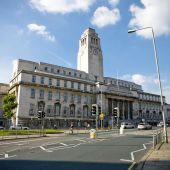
19 126
161 124
144 126
127 125
1 128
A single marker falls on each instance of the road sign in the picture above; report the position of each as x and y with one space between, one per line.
101 116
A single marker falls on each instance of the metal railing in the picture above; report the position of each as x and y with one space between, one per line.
158 137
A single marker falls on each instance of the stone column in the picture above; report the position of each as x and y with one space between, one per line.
128 107
123 110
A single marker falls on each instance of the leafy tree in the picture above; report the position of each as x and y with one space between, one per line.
9 103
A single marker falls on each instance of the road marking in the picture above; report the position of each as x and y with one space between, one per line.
6 156
80 140
126 160
47 150
63 144
132 153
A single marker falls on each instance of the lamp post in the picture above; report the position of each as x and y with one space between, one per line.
158 74
98 85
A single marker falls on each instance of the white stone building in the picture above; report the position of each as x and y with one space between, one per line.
66 95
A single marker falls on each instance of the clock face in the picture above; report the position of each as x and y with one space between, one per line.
95 52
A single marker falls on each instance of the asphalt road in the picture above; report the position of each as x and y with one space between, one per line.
76 152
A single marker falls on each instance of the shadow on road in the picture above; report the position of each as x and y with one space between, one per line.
60 165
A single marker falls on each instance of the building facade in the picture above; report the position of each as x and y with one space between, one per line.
66 95
3 91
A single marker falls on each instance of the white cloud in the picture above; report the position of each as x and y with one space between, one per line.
61 6
113 2
154 13
41 30
103 17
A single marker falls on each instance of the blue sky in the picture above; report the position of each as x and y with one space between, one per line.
49 31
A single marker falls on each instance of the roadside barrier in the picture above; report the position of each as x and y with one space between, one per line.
157 137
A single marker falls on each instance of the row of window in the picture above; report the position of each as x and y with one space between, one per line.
64 72
149 97
55 110
121 83
57 96
58 83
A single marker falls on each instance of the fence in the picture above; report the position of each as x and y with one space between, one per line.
157 137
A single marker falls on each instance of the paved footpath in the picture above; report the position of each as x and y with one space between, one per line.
159 159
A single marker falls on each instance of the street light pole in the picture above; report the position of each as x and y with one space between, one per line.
98 84
158 74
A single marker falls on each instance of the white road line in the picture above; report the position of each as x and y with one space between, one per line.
47 150
63 144
80 140
126 160
8 157
132 153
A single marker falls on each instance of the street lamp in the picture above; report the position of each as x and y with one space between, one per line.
158 74
98 85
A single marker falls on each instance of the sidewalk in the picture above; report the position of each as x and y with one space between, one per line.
159 159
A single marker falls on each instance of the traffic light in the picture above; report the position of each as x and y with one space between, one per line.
39 114
99 109
93 110
43 114
115 112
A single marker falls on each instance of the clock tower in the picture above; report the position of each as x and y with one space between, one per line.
90 57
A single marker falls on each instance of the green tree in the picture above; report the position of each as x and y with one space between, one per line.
9 103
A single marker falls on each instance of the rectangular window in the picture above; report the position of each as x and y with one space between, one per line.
91 99
41 94
50 81
32 93
91 88
65 83
79 86
33 78
85 87
57 95
72 85
72 98
78 99
65 97
58 83
42 80
64 72
85 99
50 95
31 109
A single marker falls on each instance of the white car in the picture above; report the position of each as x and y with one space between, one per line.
144 126
126 125
161 124
2 128
19 126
